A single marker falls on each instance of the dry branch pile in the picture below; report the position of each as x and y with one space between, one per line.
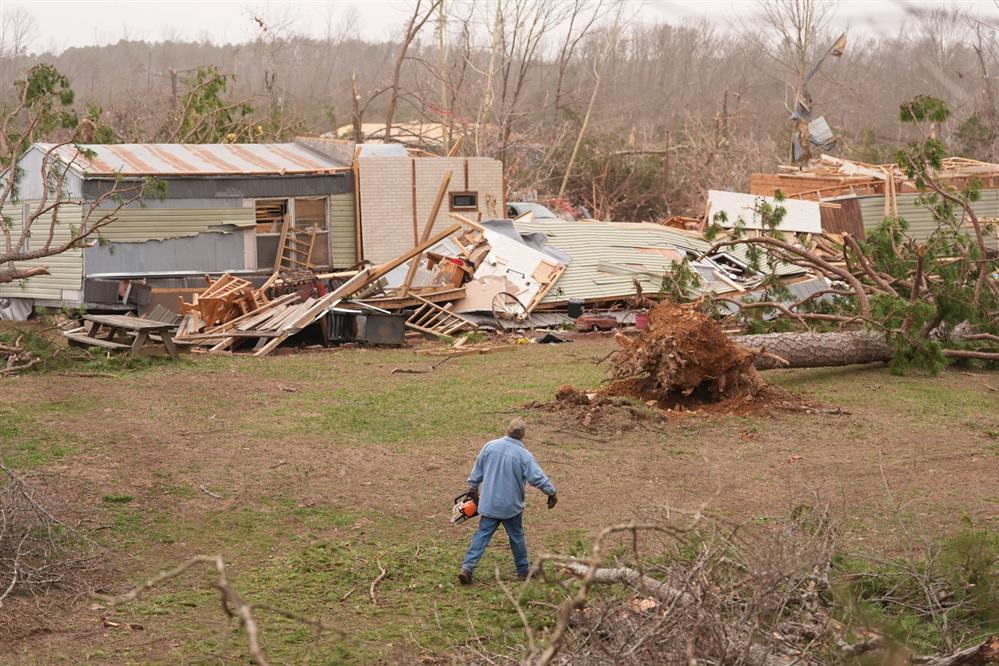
702 591
37 550
18 358
683 353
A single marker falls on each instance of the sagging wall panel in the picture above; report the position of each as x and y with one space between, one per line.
388 225
138 224
65 269
213 251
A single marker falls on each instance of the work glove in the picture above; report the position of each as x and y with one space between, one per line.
474 494
552 501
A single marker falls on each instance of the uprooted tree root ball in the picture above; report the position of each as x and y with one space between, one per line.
683 355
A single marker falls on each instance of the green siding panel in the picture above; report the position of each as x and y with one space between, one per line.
141 224
343 229
922 224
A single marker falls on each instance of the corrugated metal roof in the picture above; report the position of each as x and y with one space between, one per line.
189 159
636 247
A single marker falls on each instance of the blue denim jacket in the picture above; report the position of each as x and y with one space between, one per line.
502 468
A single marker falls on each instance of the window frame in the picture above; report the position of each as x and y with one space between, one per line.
451 205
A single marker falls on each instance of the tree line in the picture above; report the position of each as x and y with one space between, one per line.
679 107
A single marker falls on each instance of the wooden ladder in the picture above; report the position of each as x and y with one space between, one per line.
433 319
296 251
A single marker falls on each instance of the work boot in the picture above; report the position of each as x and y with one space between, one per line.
523 576
465 577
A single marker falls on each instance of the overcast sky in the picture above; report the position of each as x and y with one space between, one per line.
65 23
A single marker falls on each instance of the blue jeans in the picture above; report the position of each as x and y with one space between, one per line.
487 527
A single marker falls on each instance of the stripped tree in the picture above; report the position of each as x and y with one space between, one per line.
37 229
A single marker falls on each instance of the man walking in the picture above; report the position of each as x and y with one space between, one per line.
502 468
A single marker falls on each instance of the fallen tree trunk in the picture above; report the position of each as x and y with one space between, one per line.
820 350
817 350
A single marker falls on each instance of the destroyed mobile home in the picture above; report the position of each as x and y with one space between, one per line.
254 244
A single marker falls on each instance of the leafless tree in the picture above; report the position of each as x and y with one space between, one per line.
421 14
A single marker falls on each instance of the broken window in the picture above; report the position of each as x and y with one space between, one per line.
294 230
464 201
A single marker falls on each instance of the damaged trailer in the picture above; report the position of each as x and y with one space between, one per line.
244 209
608 260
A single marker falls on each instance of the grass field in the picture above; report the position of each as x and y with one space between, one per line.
328 464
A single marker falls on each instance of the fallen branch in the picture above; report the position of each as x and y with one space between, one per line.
532 646
986 652
232 604
631 578
208 492
371 590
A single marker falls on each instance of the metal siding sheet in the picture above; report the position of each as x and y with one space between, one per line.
65 270
593 243
208 252
921 221
237 187
845 219
31 185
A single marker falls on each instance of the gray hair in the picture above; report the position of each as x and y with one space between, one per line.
517 428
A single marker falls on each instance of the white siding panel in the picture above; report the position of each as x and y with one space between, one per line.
31 184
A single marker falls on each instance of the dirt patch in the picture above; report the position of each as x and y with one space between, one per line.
615 407
683 356
599 411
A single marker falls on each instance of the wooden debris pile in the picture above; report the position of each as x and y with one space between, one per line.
232 313
224 299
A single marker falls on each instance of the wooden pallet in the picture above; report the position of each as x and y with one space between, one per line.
433 319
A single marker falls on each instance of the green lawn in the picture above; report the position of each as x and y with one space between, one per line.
329 463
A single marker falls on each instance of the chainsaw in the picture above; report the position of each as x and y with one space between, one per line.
465 507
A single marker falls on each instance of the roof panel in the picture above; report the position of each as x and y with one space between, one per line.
176 159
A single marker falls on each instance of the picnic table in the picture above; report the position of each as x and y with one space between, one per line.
119 331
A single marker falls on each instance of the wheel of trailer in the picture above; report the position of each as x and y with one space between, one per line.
507 307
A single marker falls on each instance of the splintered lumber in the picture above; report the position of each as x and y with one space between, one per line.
224 299
220 329
279 323
427 228
467 222
414 298
467 351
